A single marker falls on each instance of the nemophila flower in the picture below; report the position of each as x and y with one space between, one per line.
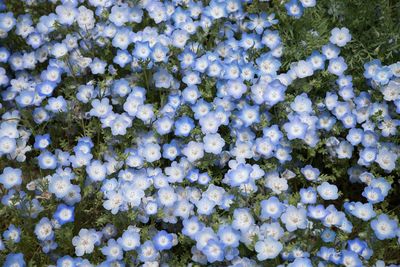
356 245
308 3
302 104
242 219
344 150
45 88
271 208
271 39
249 115
303 69
328 235
66 261
166 196
96 171
129 240
308 195
44 230
101 108
267 249
56 104
350 258
11 177
330 51
193 151
12 234
386 159
362 211
328 191
42 141
84 242
209 123
64 214
112 251
229 236
294 218
300 262
239 175
132 195
59 185
333 217
295 129
25 98
213 143
14 260
7 21
191 227
337 66
340 37
205 206
282 153
294 9
59 50
382 184
163 241
114 201
147 252
163 79
214 251
47 160
384 227
268 64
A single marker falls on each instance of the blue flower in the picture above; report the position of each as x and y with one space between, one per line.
64 214
11 177
384 227
294 9
267 249
214 251
112 251
163 241
328 191
14 260
12 234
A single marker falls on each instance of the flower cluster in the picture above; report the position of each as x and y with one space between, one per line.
169 133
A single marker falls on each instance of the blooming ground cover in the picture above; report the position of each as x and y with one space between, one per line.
199 133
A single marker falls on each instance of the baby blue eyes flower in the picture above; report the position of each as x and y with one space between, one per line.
112 251
14 260
11 177
337 66
294 9
163 79
163 241
295 129
340 37
214 251
268 249
271 208
294 218
187 105
328 235
384 227
328 191
84 242
42 141
44 230
64 214
47 160
147 252
12 234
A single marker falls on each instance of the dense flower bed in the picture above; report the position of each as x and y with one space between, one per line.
215 133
